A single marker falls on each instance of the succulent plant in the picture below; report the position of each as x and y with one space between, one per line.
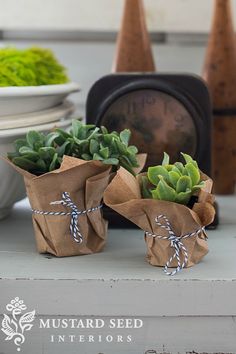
34 154
89 142
40 153
172 182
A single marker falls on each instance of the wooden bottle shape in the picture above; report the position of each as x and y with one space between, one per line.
220 74
133 48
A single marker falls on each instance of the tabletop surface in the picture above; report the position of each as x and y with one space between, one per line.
123 257
116 281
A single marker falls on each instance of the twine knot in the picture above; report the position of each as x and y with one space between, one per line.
75 213
175 242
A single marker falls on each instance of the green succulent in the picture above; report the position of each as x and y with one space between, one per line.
35 154
89 142
172 182
40 153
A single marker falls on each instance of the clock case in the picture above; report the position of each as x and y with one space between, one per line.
189 90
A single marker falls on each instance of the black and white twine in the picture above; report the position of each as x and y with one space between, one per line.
75 213
175 242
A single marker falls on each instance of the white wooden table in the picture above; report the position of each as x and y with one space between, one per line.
195 311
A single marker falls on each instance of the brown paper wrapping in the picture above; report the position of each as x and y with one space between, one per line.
85 181
124 196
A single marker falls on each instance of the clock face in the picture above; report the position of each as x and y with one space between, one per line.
158 123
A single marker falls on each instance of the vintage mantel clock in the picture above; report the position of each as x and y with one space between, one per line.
169 113
165 112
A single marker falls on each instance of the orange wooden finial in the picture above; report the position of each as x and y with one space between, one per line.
133 50
219 70
220 75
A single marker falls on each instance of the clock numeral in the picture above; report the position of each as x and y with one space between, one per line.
179 120
133 107
149 100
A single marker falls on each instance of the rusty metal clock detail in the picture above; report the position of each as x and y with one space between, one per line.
169 113
158 123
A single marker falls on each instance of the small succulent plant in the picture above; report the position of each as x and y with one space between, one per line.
172 182
35 154
40 153
89 142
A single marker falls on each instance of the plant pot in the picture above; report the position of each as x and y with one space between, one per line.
66 204
175 234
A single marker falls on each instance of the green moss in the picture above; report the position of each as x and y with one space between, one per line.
30 67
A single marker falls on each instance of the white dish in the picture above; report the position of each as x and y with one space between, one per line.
30 119
6 133
28 99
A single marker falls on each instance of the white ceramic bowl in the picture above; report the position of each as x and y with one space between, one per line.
12 188
63 110
27 99
5 133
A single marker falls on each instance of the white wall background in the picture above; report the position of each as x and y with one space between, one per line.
104 15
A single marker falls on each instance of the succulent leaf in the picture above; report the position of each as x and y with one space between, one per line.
155 194
189 159
104 130
97 157
184 183
41 165
25 163
54 164
173 178
33 138
193 173
165 192
183 197
154 172
50 139
46 153
121 147
93 146
132 149
111 161
25 150
20 143
104 153
86 157
125 136
166 159
179 166
198 186
64 148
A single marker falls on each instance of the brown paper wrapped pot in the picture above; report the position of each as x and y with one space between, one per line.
85 181
123 195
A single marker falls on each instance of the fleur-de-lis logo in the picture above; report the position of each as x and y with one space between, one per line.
15 325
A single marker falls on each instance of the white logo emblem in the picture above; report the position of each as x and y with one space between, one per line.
15 325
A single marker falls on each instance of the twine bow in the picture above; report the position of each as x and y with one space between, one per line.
175 242
75 213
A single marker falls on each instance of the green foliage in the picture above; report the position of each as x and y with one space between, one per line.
40 153
30 67
172 182
89 142
35 155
